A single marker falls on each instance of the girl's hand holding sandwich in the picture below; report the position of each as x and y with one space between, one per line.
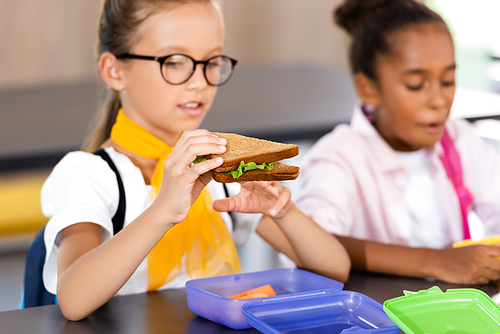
183 181
269 198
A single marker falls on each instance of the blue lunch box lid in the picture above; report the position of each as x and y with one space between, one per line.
345 312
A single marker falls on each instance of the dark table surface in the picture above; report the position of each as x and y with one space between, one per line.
167 311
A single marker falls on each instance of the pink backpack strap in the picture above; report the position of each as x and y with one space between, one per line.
453 167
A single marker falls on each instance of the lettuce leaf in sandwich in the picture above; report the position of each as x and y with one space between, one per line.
247 167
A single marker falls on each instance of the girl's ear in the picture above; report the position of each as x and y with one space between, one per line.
368 90
111 72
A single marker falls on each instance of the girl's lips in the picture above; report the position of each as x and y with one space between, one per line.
193 109
433 127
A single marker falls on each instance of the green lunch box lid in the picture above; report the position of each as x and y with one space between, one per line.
456 311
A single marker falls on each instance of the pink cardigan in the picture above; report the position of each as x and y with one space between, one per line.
352 183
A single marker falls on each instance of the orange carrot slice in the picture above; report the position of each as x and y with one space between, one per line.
261 291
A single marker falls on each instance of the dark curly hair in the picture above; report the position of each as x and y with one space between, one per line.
370 24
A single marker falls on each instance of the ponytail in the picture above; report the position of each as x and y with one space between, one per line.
105 121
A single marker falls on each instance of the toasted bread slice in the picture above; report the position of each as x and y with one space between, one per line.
240 148
280 172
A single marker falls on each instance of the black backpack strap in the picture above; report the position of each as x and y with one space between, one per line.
226 192
119 217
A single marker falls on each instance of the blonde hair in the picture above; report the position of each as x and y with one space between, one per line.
118 28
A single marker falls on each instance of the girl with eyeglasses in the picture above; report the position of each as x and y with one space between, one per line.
397 184
162 61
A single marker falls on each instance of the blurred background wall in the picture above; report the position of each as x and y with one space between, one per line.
53 41
47 42
49 86
48 74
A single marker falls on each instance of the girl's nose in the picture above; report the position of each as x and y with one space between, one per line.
438 98
197 80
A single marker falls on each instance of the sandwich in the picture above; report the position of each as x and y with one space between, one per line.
252 159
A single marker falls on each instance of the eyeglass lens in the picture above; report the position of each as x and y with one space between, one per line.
178 69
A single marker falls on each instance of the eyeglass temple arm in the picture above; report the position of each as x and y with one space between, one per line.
132 56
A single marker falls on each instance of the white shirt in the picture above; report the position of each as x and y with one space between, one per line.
82 188
423 201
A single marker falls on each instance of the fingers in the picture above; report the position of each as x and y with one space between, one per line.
269 187
490 275
477 264
481 276
281 202
492 250
193 133
485 264
272 191
484 271
221 205
196 137
267 184
205 166
190 145
481 280
206 178
492 263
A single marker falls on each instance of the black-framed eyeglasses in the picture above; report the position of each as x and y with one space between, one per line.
177 69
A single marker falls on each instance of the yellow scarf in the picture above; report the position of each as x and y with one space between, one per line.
202 237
